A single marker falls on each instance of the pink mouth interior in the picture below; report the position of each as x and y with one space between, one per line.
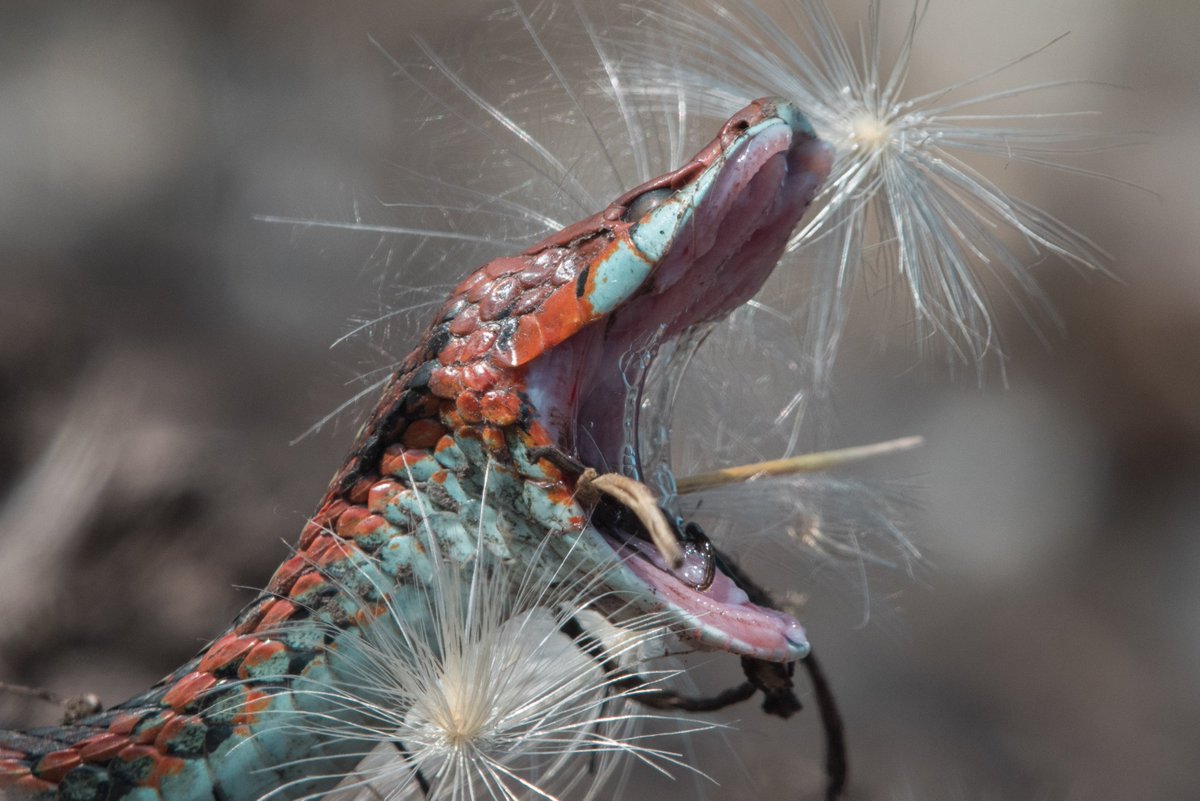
724 606
716 264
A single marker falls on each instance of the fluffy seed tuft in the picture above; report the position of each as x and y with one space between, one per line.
903 197
466 687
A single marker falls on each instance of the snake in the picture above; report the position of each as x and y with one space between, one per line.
519 382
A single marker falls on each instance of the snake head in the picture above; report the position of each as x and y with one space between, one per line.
531 355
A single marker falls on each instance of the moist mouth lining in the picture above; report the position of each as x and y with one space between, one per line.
591 384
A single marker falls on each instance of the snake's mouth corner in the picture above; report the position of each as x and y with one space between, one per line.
711 233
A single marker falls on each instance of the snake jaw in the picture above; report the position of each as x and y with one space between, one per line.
712 235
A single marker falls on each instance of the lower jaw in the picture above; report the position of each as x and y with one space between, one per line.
717 619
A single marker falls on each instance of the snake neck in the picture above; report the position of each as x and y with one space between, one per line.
423 485
224 725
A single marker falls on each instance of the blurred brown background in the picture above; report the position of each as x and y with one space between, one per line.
160 347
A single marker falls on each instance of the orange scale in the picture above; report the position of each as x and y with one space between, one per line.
501 408
54 766
250 620
308 584
566 270
452 352
185 692
382 494
446 382
153 733
163 765
286 575
331 511
369 613
470 282
493 439
101 747
468 407
466 322
478 343
527 343
392 462
148 735
255 703
132 752
450 308
225 651
311 529
32 785
536 274
480 376
415 459
535 439
535 435
319 546
12 769
368 526
562 314
260 655
168 766
351 518
423 406
559 494
123 723
502 295
278 611
506 265
531 300
479 291
172 729
321 521
357 493
550 470
333 554
423 433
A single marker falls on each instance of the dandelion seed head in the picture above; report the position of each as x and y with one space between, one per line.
469 682
907 198
870 133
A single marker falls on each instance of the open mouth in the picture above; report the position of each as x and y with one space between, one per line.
710 235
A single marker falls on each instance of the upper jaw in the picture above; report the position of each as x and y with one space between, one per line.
693 259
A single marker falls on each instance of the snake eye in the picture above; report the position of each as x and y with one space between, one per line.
645 203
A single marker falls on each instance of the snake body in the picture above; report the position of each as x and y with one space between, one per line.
521 361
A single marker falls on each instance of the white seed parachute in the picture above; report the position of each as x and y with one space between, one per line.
466 687
905 198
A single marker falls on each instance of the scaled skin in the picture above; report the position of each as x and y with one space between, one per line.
490 381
